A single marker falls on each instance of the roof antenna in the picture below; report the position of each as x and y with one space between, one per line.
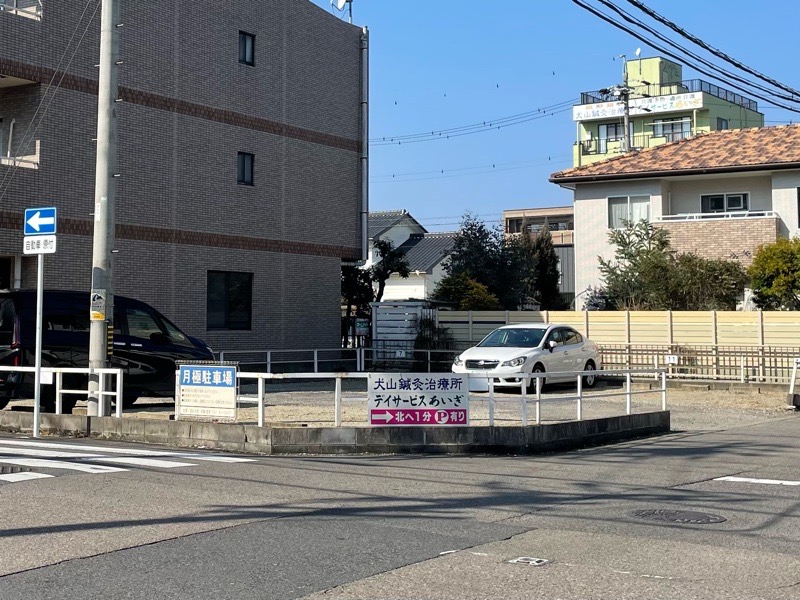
340 4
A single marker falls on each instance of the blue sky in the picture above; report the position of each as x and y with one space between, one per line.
440 64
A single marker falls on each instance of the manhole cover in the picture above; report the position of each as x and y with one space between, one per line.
529 560
679 516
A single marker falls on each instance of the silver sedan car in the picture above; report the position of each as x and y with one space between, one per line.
529 348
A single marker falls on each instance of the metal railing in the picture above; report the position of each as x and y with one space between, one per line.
29 161
579 397
738 214
672 89
316 360
59 372
31 9
745 364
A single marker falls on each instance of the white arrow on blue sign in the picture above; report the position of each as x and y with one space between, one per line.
40 221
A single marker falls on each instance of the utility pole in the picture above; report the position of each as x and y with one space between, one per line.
102 296
623 94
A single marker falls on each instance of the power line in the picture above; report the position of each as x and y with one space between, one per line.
465 170
475 127
718 53
447 176
8 177
649 42
724 72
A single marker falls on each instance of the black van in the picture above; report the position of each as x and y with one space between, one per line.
146 345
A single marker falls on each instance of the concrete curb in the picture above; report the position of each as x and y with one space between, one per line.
532 439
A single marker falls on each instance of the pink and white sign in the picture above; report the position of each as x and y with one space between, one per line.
418 399
418 416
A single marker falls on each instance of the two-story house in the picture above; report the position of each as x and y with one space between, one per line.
425 252
720 195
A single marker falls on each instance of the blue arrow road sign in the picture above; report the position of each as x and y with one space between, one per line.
40 221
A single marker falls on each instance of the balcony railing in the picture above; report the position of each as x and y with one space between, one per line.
671 89
638 142
27 161
30 9
739 214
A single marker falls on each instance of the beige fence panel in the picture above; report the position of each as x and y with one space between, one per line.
567 317
671 329
527 316
608 327
650 327
737 328
781 328
484 322
693 327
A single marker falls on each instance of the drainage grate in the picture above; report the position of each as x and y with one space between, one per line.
687 517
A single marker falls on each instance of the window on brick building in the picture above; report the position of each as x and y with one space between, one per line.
229 300
247 45
244 168
627 208
721 203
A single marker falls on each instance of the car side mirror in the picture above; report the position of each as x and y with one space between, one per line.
551 345
159 338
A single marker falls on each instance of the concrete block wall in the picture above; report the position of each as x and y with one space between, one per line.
349 440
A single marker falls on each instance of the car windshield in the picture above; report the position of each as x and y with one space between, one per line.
513 338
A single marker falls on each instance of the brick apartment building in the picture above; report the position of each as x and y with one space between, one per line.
239 141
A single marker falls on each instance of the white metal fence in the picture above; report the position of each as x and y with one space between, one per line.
579 397
744 364
104 393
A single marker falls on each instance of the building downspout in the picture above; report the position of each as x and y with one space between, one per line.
364 143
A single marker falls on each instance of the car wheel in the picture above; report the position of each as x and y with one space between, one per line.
4 402
590 379
538 368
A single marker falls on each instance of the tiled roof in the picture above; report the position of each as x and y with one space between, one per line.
381 221
758 148
425 251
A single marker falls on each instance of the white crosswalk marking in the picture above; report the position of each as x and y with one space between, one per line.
146 462
142 462
26 476
92 458
134 451
43 463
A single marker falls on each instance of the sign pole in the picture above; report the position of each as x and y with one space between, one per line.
37 395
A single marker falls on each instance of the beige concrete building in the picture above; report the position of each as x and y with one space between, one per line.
720 195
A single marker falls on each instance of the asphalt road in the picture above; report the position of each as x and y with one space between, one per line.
184 525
